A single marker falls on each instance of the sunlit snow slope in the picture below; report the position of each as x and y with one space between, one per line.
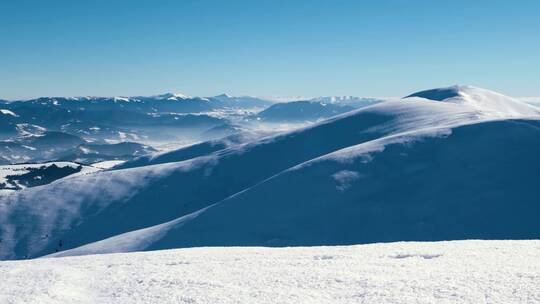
435 166
442 272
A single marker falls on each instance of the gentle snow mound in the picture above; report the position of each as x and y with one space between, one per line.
441 272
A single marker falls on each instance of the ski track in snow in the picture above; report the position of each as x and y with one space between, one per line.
406 272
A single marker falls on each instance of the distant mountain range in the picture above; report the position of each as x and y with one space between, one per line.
301 111
26 125
51 145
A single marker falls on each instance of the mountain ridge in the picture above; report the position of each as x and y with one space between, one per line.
237 173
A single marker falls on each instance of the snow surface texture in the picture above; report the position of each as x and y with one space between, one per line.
417 169
407 272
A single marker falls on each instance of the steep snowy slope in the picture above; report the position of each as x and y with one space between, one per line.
123 198
442 272
263 188
382 190
192 151
97 210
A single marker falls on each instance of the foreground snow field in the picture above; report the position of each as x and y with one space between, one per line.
412 272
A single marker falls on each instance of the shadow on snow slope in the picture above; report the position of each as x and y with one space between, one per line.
476 182
67 214
70 213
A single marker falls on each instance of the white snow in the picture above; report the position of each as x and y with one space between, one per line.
534 100
122 135
407 272
107 164
6 191
8 112
132 241
29 148
279 99
490 103
26 129
24 168
86 170
223 95
55 215
20 169
171 96
344 178
347 100
85 150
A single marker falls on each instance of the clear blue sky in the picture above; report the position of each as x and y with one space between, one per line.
366 48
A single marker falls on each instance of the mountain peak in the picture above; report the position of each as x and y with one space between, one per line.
440 94
223 95
171 96
486 101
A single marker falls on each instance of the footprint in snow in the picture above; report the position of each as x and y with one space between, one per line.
425 256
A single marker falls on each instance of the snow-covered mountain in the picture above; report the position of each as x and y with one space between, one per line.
227 101
158 119
89 153
107 118
37 145
353 101
166 102
165 96
312 109
191 151
485 101
167 119
43 146
426 167
296 111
